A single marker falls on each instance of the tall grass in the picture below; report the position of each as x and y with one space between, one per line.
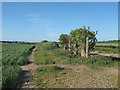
44 53
10 76
13 55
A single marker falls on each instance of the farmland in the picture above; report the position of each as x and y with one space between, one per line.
13 55
107 44
54 67
107 47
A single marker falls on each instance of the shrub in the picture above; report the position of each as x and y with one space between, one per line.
44 41
61 53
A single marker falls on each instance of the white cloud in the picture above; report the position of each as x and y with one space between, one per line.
42 18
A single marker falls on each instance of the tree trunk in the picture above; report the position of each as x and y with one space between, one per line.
64 47
87 46
75 49
69 46
83 54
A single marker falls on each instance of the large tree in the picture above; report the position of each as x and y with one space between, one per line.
79 37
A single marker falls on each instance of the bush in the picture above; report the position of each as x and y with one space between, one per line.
61 53
44 41
48 46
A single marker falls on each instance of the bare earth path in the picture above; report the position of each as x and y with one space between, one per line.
28 71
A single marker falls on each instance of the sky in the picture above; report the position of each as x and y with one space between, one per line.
60 0
37 21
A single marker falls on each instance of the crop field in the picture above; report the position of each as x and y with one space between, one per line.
13 55
107 44
107 47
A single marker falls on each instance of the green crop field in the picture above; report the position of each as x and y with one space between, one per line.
13 55
108 44
107 47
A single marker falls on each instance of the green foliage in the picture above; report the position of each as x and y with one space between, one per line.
48 46
49 68
44 56
15 54
55 44
10 76
64 39
99 60
107 44
79 36
44 41
44 53
93 60
62 53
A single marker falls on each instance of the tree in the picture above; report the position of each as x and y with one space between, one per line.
44 41
55 44
79 37
64 40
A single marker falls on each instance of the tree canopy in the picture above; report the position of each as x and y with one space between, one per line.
78 39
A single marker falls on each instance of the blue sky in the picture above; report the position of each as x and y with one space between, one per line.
38 21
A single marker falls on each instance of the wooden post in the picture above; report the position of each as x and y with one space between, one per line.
87 46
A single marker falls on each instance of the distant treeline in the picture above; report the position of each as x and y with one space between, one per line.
110 41
20 42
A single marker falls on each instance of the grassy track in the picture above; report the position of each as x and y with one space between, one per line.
74 71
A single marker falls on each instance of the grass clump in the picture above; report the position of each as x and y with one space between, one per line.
50 68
